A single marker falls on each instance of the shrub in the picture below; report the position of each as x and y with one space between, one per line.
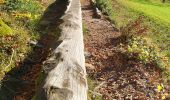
141 48
146 52
105 6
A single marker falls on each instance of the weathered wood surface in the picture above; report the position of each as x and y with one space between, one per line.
65 68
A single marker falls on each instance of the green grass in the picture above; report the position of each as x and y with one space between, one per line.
106 7
157 19
5 29
160 13
91 86
18 22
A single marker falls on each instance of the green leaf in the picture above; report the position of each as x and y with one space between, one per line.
5 29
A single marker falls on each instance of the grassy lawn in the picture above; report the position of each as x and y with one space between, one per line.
157 18
158 12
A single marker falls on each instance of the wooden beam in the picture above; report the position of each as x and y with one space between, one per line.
65 68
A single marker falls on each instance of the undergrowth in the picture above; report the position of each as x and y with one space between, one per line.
155 17
106 7
143 49
18 22
145 39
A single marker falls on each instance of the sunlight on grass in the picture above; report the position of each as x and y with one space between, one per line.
157 18
158 13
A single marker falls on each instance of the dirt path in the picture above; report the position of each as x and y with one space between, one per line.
120 78
99 38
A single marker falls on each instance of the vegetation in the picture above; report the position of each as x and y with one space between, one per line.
91 86
5 29
142 48
144 24
106 7
156 18
84 28
18 21
146 32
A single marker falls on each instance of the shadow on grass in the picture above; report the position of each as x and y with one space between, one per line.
20 82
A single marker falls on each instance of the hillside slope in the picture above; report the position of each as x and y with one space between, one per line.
112 75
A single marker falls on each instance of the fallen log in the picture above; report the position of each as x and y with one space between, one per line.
65 73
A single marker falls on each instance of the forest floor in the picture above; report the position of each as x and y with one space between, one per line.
111 74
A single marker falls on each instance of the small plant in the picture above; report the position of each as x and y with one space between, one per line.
84 28
105 6
31 6
142 48
5 29
134 28
21 15
13 49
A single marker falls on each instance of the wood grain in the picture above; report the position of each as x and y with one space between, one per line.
65 68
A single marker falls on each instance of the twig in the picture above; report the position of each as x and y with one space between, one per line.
101 84
95 93
10 59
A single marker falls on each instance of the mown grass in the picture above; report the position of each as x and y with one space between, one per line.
158 23
159 13
20 17
157 17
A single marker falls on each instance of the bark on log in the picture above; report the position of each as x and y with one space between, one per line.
65 68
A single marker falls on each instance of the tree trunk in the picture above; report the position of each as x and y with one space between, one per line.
65 68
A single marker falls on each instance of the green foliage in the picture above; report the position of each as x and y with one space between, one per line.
31 6
91 85
158 29
27 11
22 16
10 5
157 18
12 49
141 48
84 28
5 29
148 17
105 6
146 52
157 12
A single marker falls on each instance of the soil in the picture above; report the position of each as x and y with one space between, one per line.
116 76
